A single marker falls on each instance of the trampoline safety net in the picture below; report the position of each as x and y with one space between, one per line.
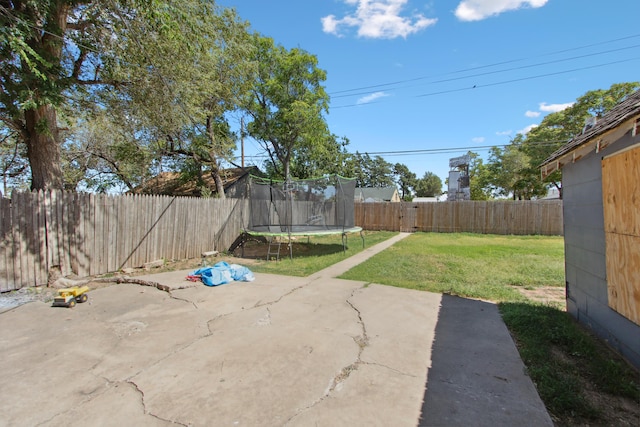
312 206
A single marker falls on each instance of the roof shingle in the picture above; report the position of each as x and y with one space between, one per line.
625 111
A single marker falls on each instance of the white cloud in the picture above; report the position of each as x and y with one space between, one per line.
478 139
504 133
477 10
547 108
370 98
377 19
554 108
527 129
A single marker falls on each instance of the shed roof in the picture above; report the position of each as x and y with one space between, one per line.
623 117
171 184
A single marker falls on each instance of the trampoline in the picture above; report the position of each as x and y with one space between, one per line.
312 207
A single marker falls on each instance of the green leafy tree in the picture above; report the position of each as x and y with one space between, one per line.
286 104
327 157
380 173
181 109
103 155
358 166
405 180
351 167
557 128
514 171
430 185
507 169
371 172
170 67
479 178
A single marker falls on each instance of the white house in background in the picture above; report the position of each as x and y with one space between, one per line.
442 198
552 194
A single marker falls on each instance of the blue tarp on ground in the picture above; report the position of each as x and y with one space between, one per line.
222 273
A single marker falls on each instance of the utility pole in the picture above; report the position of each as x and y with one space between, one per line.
242 142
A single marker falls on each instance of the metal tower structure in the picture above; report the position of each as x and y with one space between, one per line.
459 188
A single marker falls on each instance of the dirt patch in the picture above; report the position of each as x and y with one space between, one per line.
616 410
552 295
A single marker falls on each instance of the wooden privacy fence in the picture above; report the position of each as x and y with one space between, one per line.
88 234
542 217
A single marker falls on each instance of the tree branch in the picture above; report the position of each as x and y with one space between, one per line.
77 65
15 125
114 165
79 26
100 82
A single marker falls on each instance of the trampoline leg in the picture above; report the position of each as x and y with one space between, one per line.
344 243
290 249
362 237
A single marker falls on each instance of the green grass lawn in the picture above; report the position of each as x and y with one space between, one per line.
471 265
316 253
579 379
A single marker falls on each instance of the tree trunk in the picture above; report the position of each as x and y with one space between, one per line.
215 170
559 188
286 166
41 122
43 150
215 174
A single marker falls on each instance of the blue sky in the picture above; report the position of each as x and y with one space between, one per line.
431 77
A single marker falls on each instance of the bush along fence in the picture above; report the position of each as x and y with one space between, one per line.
542 217
86 234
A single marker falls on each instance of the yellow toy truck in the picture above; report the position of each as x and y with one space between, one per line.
68 297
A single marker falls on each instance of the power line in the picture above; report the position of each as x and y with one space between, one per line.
485 66
439 150
503 82
530 77
509 69
433 151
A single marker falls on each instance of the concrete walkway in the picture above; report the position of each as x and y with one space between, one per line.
279 351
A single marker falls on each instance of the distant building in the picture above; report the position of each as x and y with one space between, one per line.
459 183
552 194
442 198
373 194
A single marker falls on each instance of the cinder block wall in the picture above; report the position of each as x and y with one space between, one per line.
585 257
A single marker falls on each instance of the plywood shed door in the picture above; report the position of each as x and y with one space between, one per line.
621 200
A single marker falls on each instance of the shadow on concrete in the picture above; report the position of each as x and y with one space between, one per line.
476 375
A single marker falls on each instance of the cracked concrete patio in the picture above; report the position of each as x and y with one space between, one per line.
277 351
